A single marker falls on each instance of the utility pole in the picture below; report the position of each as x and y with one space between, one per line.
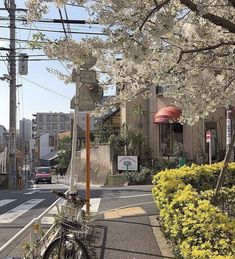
11 8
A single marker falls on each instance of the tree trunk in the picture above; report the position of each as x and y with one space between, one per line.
223 169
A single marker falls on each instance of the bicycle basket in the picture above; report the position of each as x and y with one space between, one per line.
71 213
70 225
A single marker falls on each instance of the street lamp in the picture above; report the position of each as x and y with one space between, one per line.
6 77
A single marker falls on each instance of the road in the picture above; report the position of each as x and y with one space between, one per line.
18 208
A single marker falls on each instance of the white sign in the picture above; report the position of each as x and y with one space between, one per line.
129 163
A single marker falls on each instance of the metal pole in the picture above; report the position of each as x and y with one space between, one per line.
229 131
12 123
72 187
210 154
88 173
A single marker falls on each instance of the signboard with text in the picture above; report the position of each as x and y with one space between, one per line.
129 163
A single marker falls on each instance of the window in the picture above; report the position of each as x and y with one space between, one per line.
48 126
170 135
54 126
51 140
54 118
48 118
62 126
40 118
62 118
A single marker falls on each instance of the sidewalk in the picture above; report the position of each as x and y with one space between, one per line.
129 233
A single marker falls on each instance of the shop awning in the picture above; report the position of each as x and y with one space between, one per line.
166 114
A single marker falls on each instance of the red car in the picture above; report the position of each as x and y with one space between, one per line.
42 174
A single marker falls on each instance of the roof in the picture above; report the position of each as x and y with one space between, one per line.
50 156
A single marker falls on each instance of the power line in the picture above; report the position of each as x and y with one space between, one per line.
71 21
38 59
60 31
47 89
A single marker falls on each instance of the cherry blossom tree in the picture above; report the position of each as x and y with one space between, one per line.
187 45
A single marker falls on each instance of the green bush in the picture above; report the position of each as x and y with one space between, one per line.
197 228
145 176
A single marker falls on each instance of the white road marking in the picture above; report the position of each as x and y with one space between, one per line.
32 192
11 215
95 203
133 196
6 201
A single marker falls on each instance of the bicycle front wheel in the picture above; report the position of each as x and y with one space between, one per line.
66 248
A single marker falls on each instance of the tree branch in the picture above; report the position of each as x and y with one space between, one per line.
203 49
157 8
232 2
217 20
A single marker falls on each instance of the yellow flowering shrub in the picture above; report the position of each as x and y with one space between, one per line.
197 228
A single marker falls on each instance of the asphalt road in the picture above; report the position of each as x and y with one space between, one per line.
18 208
121 223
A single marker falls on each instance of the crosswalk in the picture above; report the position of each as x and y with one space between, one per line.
16 212
19 210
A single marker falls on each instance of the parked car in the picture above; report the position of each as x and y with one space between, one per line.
42 174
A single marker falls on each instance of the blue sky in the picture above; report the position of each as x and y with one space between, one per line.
32 97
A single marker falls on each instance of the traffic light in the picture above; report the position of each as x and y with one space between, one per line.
34 128
23 63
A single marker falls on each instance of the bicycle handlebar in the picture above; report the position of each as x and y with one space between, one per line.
60 194
72 197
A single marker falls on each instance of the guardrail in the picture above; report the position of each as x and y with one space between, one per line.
31 241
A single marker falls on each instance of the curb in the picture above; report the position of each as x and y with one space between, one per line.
164 247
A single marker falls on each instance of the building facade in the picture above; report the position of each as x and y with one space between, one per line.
3 137
164 137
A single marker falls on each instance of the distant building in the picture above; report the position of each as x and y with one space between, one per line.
53 122
25 133
47 126
3 136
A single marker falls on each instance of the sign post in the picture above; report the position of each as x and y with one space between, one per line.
208 140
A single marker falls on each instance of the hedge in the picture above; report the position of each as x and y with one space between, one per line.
197 228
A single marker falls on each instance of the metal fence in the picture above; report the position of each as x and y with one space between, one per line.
31 241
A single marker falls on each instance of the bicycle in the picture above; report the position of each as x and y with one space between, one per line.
69 244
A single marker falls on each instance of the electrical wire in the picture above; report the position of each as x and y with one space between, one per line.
59 31
58 60
72 21
47 89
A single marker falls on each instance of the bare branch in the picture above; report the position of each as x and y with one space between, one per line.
217 20
157 8
203 49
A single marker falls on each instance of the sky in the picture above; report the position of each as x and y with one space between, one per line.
39 91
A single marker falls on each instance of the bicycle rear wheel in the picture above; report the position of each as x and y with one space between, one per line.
66 248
